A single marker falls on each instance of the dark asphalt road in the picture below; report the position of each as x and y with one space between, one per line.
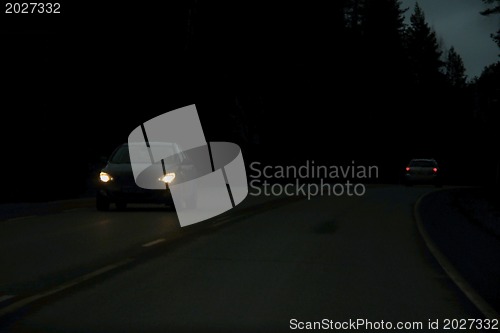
338 258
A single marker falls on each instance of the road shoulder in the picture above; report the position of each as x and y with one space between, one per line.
469 254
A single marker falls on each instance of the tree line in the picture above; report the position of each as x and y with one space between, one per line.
280 72
333 82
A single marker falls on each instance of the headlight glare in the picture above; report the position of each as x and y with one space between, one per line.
168 178
105 177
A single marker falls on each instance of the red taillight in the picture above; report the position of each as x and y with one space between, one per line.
435 169
407 168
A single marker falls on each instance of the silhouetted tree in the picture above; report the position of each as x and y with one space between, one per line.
495 9
457 100
487 118
487 88
376 31
426 82
423 50
455 69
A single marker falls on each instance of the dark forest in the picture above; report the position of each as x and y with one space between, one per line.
331 82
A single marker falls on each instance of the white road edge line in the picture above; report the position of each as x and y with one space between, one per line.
452 272
25 301
6 297
158 241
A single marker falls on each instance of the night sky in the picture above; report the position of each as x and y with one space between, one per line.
459 24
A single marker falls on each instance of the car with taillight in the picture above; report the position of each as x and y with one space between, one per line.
422 171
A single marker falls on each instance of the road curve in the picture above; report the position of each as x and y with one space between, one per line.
335 258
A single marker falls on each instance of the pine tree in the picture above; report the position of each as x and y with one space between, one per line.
490 11
455 69
423 50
